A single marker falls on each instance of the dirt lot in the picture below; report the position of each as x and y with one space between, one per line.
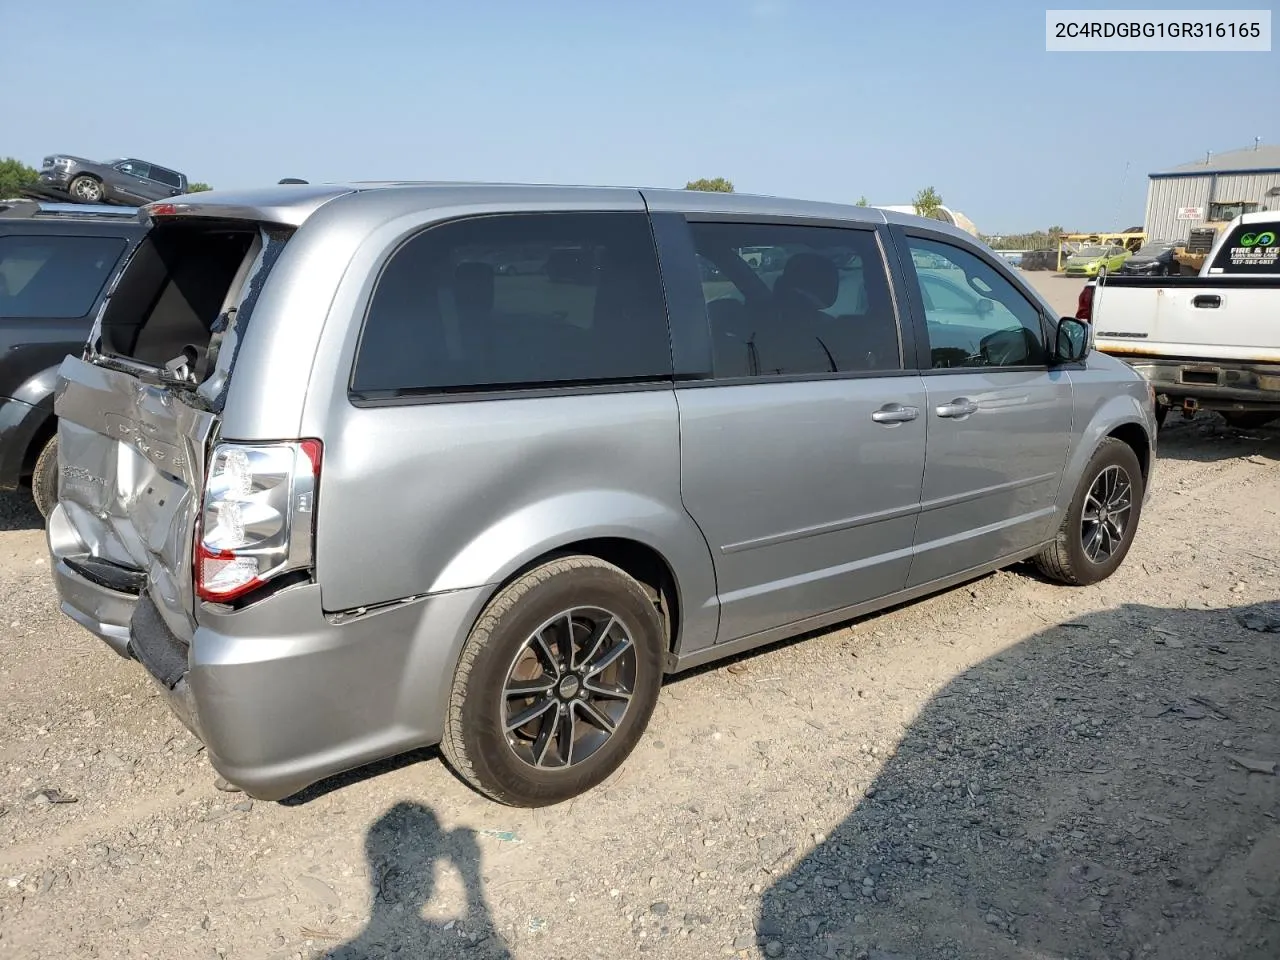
1010 769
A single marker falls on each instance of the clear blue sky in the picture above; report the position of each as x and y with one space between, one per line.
823 99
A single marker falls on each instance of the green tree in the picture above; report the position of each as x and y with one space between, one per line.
718 185
198 187
862 202
14 175
927 203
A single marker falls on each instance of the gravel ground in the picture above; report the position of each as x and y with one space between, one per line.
1009 769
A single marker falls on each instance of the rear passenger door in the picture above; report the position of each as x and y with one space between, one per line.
999 419
802 438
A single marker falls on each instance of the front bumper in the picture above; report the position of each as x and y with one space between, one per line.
282 695
56 178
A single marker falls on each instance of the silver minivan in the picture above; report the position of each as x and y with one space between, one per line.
350 470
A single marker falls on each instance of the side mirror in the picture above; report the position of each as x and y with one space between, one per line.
1072 344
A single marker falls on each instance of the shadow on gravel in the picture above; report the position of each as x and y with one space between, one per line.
403 848
1086 794
18 512
1207 439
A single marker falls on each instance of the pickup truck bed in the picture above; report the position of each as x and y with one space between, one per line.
1204 342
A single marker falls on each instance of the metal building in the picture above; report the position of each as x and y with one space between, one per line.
1213 190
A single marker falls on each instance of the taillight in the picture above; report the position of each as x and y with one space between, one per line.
1084 306
256 520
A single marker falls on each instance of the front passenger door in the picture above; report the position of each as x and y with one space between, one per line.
132 184
999 418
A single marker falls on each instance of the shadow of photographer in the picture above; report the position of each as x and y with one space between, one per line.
403 848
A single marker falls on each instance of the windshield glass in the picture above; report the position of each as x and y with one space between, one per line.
1154 249
1091 252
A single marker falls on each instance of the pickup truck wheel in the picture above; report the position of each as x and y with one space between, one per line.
44 478
86 189
1248 419
555 684
1100 524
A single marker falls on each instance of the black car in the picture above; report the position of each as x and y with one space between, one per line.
56 261
131 182
1153 259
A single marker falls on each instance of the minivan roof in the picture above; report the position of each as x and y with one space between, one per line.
293 204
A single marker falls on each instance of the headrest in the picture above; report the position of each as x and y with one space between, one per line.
812 275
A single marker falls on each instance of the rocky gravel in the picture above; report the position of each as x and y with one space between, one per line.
1011 769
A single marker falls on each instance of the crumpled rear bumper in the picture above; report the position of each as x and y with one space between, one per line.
281 694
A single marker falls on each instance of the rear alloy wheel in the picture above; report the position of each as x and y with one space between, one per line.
1099 527
44 478
86 189
556 683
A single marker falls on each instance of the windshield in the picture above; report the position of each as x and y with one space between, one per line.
1154 249
1091 252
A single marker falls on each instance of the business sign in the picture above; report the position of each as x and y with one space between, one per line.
1191 213
1249 249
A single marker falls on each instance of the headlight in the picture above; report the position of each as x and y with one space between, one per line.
61 162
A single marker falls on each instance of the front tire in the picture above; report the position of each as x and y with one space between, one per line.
44 478
555 684
1100 524
86 189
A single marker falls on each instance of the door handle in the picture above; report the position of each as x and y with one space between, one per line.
1207 301
895 413
959 407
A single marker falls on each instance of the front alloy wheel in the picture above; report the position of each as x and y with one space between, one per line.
1099 525
1105 516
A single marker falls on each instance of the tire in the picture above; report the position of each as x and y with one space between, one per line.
86 189
504 764
1066 559
1248 419
44 478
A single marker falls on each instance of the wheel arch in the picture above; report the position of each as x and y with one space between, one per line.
658 545
640 561
1135 436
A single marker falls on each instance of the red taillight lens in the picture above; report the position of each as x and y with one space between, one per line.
257 516
162 209
1084 306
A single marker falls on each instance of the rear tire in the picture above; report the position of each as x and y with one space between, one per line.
1097 532
44 478
589 721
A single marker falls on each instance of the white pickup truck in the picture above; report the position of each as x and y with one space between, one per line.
1207 342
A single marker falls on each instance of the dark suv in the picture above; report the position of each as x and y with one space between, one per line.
55 264
132 182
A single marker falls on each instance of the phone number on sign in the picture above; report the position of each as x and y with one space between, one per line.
1172 30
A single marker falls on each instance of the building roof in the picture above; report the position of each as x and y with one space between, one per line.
1264 158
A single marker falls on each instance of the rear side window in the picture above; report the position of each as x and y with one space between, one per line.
795 300
1250 248
518 300
167 177
53 276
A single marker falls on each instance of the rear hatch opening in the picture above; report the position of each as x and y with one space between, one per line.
185 292
138 421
